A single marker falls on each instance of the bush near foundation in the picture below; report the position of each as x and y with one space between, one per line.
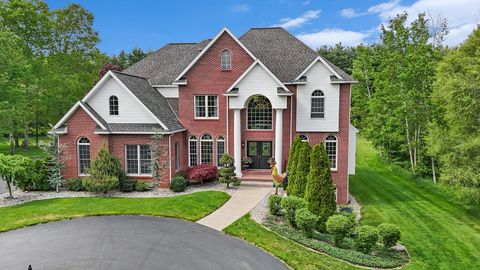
290 205
274 206
178 184
202 173
306 221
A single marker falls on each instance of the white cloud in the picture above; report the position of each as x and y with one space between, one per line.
459 34
299 21
350 13
241 8
332 36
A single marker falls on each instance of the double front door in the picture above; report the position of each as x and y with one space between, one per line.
260 152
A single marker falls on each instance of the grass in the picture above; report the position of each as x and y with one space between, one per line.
190 207
439 234
293 254
33 152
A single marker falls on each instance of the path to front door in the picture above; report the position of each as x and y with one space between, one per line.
260 152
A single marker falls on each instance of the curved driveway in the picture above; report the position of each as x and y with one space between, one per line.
128 242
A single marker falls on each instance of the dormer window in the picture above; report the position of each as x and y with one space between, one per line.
226 60
113 101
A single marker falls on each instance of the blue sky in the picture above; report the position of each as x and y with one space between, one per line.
150 24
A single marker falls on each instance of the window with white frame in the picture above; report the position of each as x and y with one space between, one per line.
318 104
206 107
303 137
206 149
259 113
192 151
113 102
83 150
220 149
138 159
331 147
226 60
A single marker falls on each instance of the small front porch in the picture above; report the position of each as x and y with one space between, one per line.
263 175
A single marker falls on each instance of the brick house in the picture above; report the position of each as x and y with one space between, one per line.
248 96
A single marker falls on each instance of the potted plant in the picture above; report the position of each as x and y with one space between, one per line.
246 161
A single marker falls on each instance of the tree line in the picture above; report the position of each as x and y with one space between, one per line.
48 60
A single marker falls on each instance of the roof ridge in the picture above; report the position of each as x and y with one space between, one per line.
126 74
180 43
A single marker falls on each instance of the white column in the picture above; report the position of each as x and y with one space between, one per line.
237 142
278 138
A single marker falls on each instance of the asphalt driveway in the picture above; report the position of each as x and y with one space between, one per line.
128 242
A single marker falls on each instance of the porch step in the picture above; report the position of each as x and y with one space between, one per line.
256 183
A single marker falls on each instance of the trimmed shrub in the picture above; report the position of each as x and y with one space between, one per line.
181 173
320 191
339 226
227 171
301 172
306 221
37 178
348 212
178 184
100 184
274 204
74 184
290 205
388 234
144 185
367 237
127 184
202 173
292 164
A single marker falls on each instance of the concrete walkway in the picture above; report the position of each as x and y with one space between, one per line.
248 195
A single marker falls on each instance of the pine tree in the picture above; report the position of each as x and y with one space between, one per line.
303 167
227 171
55 162
320 191
292 163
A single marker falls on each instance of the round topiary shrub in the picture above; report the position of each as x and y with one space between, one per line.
178 184
306 221
367 237
290 205
339 226
388 234
274 206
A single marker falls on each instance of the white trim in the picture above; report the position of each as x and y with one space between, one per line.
111 74
164 86
206 117
323 62
268 72
140 132
343 82
224 30
72 110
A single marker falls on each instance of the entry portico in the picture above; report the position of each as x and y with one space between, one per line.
243 94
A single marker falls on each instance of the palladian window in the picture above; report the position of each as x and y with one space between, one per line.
259 114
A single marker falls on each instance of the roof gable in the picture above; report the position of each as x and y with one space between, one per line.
97 118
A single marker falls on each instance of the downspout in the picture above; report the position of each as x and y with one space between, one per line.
291 120
170 157
227 139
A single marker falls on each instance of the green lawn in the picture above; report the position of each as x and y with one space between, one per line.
190 207
437 233
33 151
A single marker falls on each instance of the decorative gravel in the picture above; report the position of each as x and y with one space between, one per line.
356 207
28 196
259 212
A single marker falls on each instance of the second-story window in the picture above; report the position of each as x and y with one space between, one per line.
318 104
226 60
206 107
113 101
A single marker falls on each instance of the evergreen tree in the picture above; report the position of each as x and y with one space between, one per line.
292 163
303 168
320 191
227 171
55 162
105 164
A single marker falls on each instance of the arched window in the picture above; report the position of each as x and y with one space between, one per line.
192 151
83 152
220 149
331 146
226 60
206 149
259 113
113 101
318 104
303 137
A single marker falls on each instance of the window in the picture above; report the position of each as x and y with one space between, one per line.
206 106
113 105
259 113
226 60
206 149
177 157
220 149
83 150
303 137
331 147
138 159
318 104
192 151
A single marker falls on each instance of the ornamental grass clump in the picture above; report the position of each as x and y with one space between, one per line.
367 237
339 226
290 205
388 234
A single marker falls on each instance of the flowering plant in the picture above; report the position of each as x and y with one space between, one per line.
247 160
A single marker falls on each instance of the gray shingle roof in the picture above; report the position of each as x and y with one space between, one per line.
95 114
135 127
152 99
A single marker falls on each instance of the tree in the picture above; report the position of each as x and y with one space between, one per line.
454 136
362 92
227 171
320 191
292 163
126 59
13 168
303 167
340 55
158 154
55 162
